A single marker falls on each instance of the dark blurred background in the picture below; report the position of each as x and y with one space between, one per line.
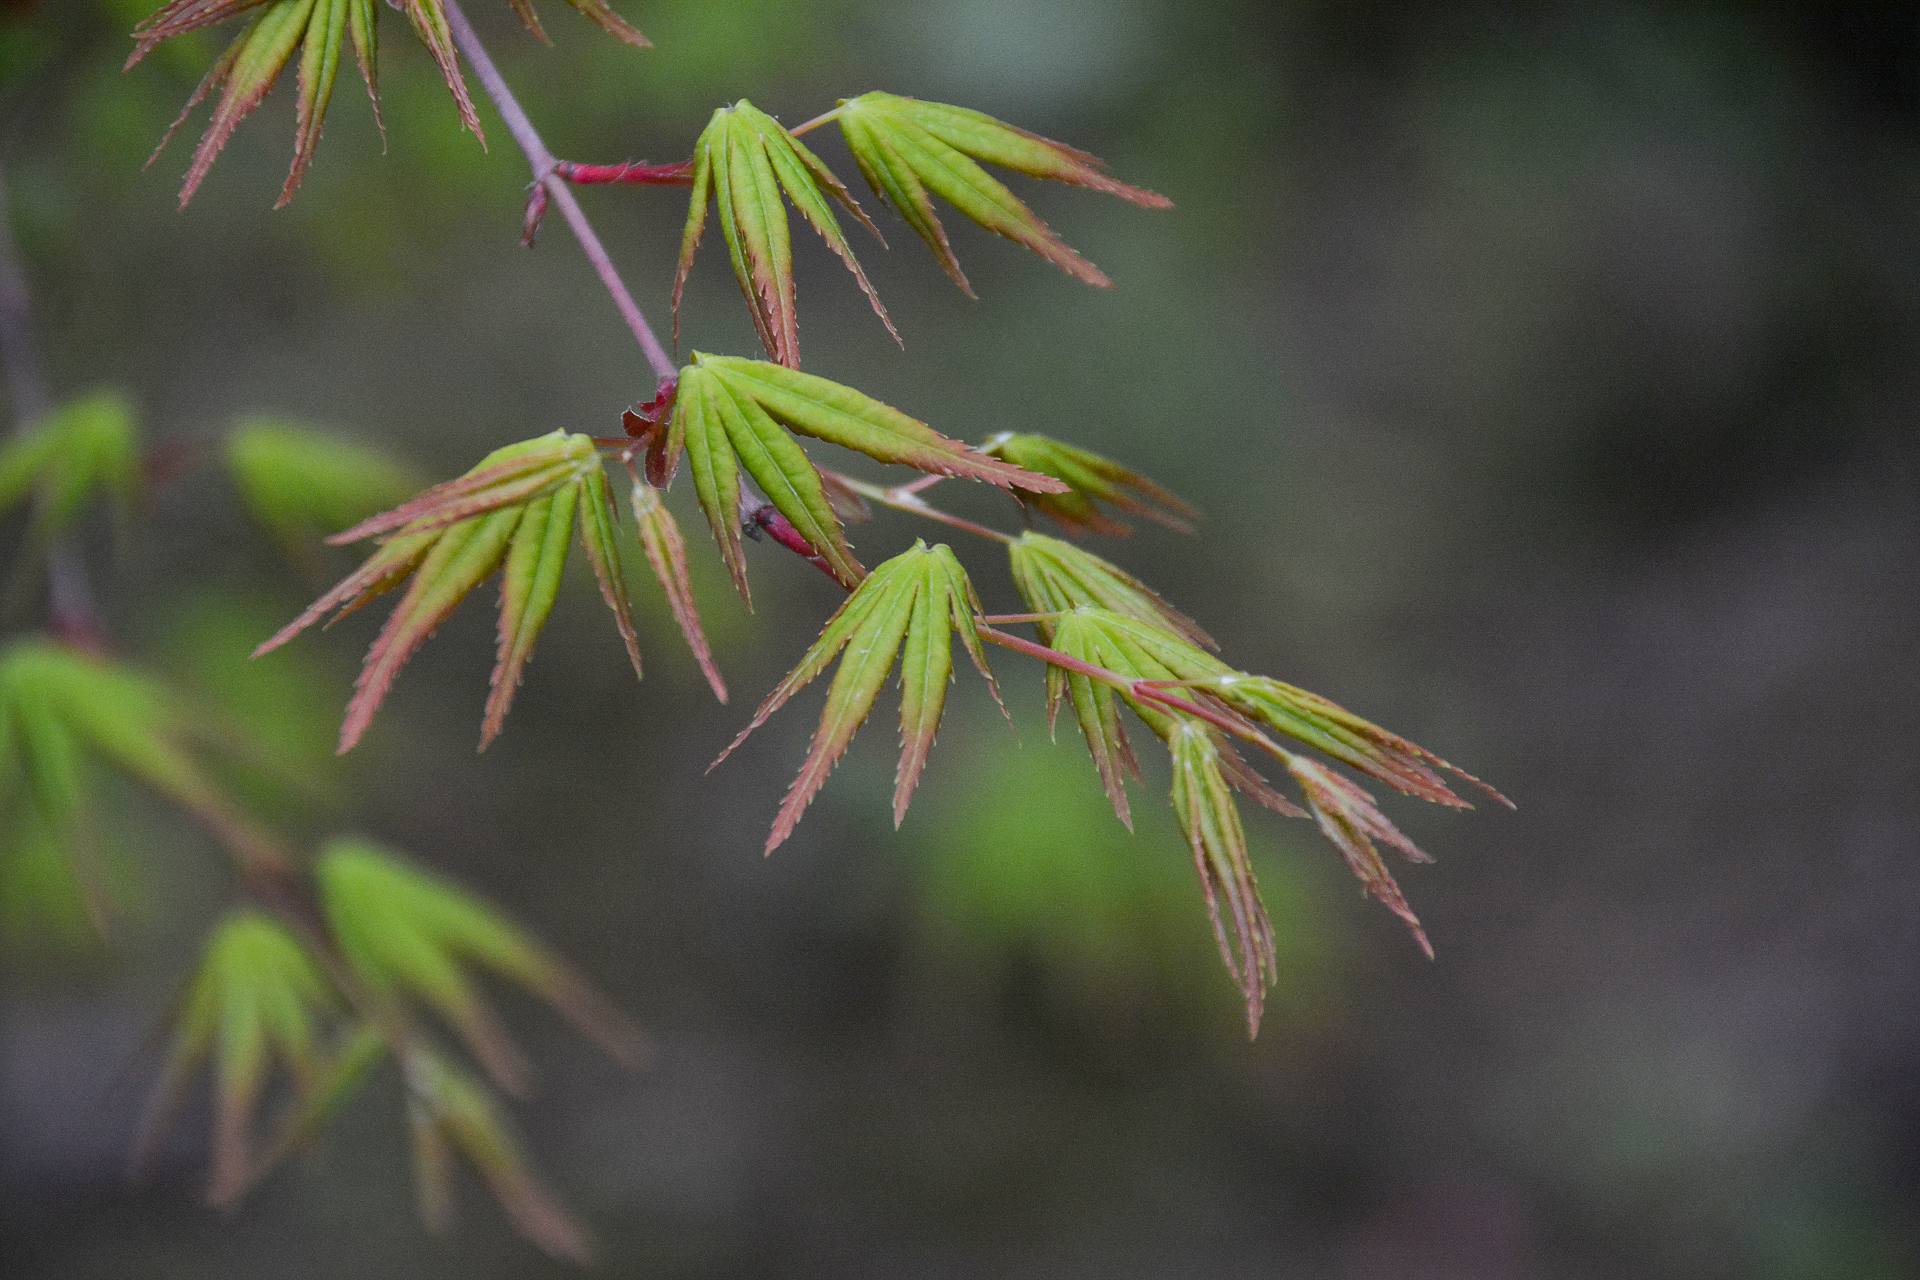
1548 380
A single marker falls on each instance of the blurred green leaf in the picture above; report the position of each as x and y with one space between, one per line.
411 935
303 485
59 705
84 451
258 1000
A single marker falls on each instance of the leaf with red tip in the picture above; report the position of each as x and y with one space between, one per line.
258 1002
430 24
409 934
814 406
602 16
1092 481
363 29
908 607
181 16
906 147
748 163
666 552
518 507
1203 801
1334 731
1351 822
252 64
598 535
528 588
463 556
724 433
696 225
264 49
508 476
1055 576
319 65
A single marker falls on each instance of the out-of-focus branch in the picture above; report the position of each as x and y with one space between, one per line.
69 599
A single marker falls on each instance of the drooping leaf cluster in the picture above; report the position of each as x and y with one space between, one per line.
289 1012
515 513
319 33
64 712
746 164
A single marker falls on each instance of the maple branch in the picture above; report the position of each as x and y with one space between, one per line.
552 186
69 597
550 181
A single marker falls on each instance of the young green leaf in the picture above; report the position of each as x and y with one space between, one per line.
450 1113
409 934
1203 800
1055 576
259 1000
1354 741
1206 771
728 416
317 30
724 434
813 406
1351 822
1091 481
906 147
85 450
908 608
516 509
667 555
745 162
302 484
59 705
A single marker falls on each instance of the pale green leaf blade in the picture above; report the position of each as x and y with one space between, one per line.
814 406
789 479
864 665
463 556
926 665
716 471
600 536
319 65
666 552
528 588
696 224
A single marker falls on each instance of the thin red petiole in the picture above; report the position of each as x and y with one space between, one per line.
633 173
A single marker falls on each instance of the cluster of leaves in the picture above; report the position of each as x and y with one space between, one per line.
322 972
517 509
1111 642
318 32
319 996
314 999
63 709
745 162
730 417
